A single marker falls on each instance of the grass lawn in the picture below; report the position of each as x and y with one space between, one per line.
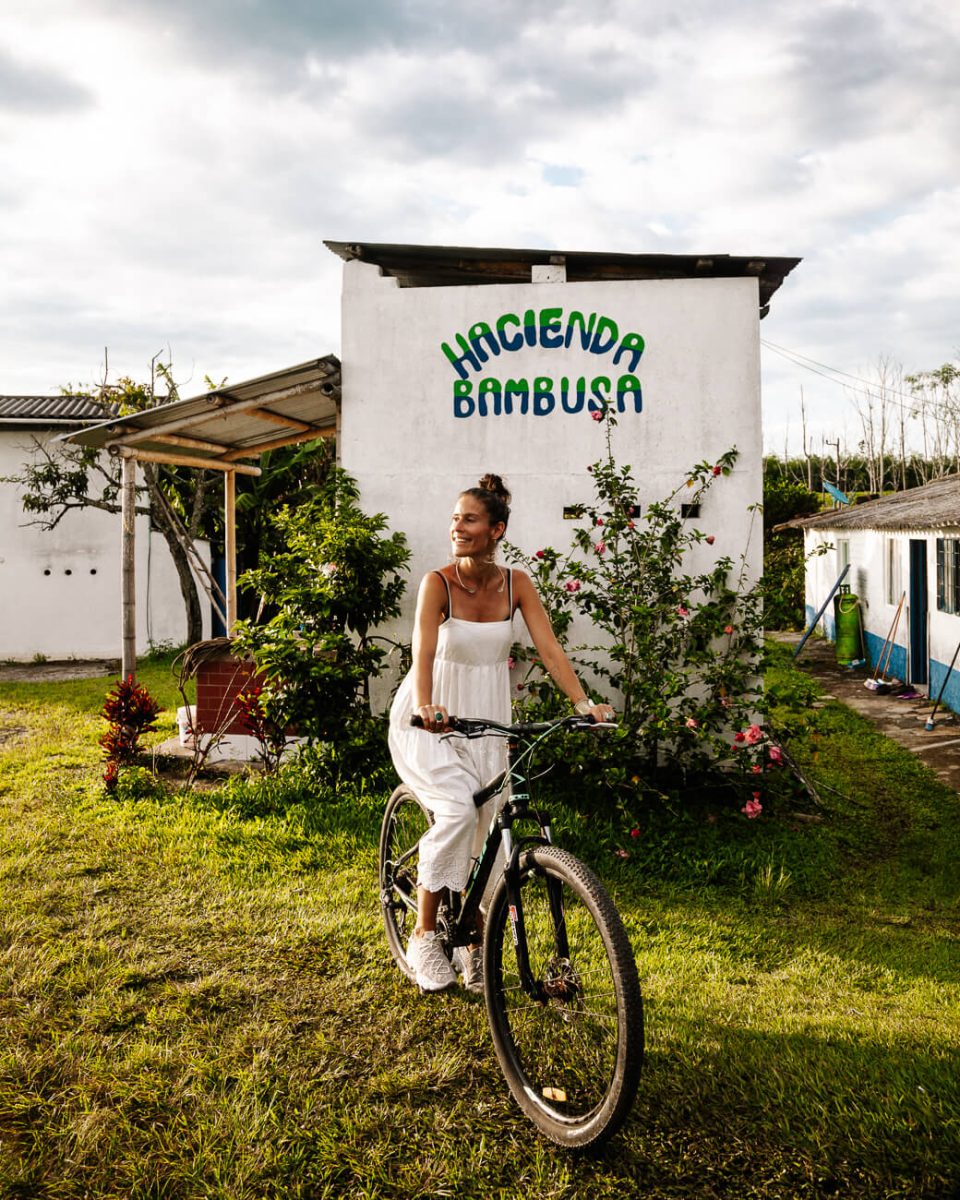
197 1001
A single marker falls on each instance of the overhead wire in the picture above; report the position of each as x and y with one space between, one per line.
874 390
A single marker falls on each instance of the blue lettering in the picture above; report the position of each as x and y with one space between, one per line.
600 386
550 336
530 327
543 400
480 333
576 404
462 401
632 344
491 388
629 385
586 329
466 355
513 343
519 388
606 325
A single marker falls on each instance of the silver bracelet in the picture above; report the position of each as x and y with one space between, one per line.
582 707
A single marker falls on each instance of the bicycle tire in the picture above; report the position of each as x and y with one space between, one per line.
405 821
573 1061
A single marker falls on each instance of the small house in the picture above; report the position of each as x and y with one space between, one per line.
903 552
59 590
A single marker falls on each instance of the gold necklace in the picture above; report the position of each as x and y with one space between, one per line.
472 591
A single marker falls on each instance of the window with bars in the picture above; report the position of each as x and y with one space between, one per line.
894 571
948 574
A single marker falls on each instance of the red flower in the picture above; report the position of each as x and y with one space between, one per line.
728 629
710 539
599 520
601 547
717 470
634 833
572 585
597 416
539 554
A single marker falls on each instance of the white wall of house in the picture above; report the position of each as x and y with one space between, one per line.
60 588
879 574
414 431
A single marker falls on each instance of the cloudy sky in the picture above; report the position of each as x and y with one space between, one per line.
170 169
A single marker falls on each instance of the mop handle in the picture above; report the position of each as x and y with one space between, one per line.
943 686
876 673
893 633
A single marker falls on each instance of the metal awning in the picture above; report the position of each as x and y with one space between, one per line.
219 429
215 431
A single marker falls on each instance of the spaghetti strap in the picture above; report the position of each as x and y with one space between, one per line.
510 593
446 584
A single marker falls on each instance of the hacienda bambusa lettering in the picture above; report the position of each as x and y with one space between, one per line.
542 395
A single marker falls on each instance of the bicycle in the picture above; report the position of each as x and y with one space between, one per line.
561 989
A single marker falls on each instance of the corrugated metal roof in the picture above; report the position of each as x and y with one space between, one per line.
52 410
240 420
935 505
448 266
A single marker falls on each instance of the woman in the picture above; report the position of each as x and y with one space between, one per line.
462 635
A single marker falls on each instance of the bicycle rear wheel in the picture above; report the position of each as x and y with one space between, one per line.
572 1057
405 821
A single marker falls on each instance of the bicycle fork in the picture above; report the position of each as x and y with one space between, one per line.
531 985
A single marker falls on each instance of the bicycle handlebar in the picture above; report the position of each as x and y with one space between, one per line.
479 726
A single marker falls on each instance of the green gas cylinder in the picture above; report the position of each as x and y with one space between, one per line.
846 610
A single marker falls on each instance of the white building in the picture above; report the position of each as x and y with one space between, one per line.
60 588
905 545
458 361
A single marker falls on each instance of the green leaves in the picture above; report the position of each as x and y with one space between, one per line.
677 643
338 576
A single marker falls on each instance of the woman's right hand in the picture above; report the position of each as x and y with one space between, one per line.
434 717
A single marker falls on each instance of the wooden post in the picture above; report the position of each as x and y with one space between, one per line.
128 585
230 546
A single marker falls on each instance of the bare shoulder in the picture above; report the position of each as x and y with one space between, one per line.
433 591
522 585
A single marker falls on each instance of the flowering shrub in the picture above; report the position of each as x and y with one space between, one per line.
270 735
676 649
131 712
338 577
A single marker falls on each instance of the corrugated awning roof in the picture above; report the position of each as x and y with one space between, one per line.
52 410
231 423
935 505
448 266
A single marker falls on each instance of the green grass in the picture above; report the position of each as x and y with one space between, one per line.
196 999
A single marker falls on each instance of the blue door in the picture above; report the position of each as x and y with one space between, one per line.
918 611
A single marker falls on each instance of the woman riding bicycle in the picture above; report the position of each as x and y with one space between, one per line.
463 631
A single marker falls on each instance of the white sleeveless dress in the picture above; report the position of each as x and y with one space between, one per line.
471 678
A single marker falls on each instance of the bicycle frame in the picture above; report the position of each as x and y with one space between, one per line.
465 912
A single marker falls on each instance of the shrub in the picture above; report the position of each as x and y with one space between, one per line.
679 648
131 712
338 577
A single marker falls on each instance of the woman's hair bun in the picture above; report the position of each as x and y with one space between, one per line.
493 483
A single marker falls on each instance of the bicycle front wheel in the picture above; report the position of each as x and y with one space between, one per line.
572 1053
405 821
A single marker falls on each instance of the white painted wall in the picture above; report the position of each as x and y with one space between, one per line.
412 455
60 588
867 551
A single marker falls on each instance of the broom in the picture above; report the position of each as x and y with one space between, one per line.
876 684
929 724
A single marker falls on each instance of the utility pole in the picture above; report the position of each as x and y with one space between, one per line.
827 442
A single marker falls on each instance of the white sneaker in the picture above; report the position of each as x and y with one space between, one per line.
430 965
469 962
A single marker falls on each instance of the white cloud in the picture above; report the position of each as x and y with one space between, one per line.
172 168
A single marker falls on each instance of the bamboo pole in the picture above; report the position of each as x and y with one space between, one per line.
185 460
128 585
230 546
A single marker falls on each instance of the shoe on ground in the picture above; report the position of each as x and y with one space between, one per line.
469 962
429 963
